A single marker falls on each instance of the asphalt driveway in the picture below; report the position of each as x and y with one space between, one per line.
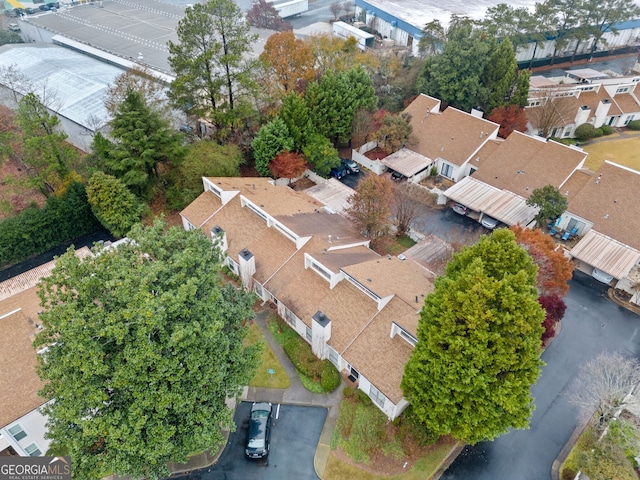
592 324
294 438
352 179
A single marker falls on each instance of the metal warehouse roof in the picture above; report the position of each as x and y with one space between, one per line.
78 83
502 205
407 162
606 254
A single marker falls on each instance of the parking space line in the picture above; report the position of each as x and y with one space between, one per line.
277 411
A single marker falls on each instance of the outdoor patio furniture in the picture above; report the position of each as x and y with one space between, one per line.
574 230
565 236
552 232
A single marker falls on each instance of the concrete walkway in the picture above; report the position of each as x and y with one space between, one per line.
296 394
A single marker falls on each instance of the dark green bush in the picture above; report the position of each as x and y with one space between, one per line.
598 132
36 230
363 398
606 129
586 131
348 392
330 378
410 427
568 474
634 125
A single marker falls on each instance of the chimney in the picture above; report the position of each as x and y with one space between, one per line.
247 264
321 331
219 238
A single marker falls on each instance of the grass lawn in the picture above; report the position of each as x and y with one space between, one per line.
392 245
423 469
269 361
625 151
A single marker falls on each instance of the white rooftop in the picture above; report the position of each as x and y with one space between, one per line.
78 82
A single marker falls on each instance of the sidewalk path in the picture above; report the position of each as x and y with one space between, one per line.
296 394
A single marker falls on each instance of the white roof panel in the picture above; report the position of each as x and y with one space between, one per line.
606 254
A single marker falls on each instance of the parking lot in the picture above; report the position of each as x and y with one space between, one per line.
294 437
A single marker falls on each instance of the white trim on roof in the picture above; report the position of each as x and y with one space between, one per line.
606 254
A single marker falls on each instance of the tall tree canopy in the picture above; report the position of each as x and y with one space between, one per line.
141 138
273 138
334 100
210 62
289 61
478 350
370 206
550 201
145 344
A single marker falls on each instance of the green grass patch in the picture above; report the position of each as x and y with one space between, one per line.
622 151
262 378
318 376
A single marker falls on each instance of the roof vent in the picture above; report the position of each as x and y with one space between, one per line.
402 257
606 215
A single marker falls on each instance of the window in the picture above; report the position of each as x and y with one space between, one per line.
409 338
215 191
321 270
622 90
232 265
190 226
629 118
333 357
290 317
17 432
309 335
257 288
257 212
377 396
33 450
447 170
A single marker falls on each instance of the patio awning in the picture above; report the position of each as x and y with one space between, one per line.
407 162
606 254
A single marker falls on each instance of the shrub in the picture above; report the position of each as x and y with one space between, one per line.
606 129
36 230
434 171
598 133
330 378
363 398
348 392
411 428
585 131
634 125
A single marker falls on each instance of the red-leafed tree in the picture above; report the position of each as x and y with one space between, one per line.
287 165
554 308
510 118
264 15
554 269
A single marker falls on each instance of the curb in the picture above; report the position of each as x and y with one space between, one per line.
627 305
564 453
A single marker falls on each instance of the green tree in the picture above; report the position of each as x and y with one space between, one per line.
334 100
295 114
503 21
203 159
211 63
394 132
478 350
455 75
273 138
500 74
144 345
550 201
113 203
141 140
433 38
45 149
7 36
321 154
605 14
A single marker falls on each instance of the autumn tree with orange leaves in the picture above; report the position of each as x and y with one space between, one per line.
289 60
510 118
287 165
554 269
370 206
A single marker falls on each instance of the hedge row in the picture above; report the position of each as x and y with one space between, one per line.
307 363
36 230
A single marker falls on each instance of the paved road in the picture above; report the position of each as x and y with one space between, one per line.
294 437
448 225
592 324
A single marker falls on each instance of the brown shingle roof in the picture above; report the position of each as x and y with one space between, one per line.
627 103
610 200
452 135
523 163
593 98
201 208
19 382
245 229
390 275
379 358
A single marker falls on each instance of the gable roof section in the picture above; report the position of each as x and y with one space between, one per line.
606 254
593 98
379 358
198 211
523 163
502 205
389 275
407 162
19 382
627 103
452 135
609 199
432 253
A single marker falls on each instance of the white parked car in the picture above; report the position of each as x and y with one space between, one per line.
489 222
461 209
601 276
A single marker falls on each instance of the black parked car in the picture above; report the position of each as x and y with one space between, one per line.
30 10
259 430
